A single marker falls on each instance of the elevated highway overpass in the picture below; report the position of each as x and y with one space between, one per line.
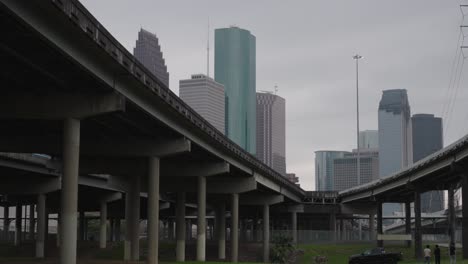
72 91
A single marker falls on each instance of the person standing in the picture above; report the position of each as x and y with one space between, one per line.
437 254
427 255
452 255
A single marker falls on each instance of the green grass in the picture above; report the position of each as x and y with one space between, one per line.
338 254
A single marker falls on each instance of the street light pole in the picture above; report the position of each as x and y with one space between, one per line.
358 160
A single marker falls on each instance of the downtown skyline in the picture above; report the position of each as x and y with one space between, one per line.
313 70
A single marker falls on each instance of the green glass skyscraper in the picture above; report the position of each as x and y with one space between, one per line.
235 69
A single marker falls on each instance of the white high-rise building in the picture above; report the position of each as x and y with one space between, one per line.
395 136
271 131
206 97
369 139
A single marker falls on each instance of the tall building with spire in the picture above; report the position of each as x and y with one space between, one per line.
271 131
235 68
395 137
148 51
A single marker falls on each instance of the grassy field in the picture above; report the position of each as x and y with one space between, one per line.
338 254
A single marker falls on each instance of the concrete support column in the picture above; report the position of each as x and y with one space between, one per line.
464 217
451 214
82 226
235 227
408 221
294 227
31 222
6 221
170 227
417 226
221 230
379 223
58 230
201 219
103 226
266 233
333 226
153 210
188 229
41 225
371 226
18 230
132 221
180 227
117 229
69 193
342 230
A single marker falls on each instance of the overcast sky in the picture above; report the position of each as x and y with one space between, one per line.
306 47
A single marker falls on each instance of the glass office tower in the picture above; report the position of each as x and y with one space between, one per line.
427 139
235 69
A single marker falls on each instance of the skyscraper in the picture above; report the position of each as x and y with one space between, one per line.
148 52
395 137
271 131
324 169
235 69
345 168
206 97
369 139
427 139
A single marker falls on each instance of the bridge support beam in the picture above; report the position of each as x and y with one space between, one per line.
465 217
41 225
19 215
132 221
201 219
221 230
417 226
69 192
82 226
266 233
103 225
32 221
6 221
372 226
451 214
408 221
180 227
294 226
333 226
235 227
117 229
379 223
153 210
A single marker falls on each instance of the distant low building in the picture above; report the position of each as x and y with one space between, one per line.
345 169
293 178
324 169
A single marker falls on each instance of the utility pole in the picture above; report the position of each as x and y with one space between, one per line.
358 160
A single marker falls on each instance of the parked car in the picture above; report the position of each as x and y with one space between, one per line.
375 256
